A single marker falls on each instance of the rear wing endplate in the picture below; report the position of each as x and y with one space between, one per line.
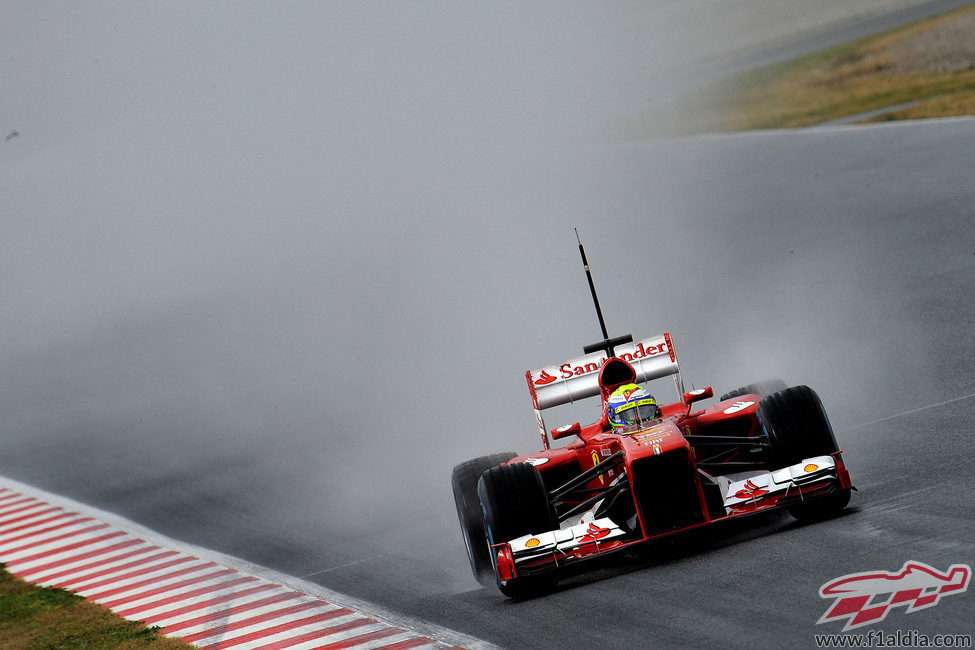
578 378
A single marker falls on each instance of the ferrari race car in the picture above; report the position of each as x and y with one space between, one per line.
762 446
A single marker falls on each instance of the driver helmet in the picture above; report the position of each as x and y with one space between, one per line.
630 404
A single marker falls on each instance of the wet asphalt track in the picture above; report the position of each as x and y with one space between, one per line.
884 219
841 258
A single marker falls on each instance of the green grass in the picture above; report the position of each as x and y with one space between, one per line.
848 80
39 618
871 74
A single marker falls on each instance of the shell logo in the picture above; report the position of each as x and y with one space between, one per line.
810 468
533 542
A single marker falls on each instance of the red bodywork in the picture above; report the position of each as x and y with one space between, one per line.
674 485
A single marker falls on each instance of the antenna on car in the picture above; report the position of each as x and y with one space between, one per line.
607 344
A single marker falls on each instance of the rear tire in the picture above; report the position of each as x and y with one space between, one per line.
515 504
759 388
464 482
796 425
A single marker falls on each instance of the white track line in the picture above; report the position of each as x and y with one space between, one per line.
911 412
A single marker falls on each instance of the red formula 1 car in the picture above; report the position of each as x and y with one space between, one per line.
760 447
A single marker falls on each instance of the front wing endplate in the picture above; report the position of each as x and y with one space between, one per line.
763 485
565 541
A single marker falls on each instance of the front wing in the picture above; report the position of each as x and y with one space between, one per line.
741 494
791 484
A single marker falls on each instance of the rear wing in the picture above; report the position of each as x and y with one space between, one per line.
578 378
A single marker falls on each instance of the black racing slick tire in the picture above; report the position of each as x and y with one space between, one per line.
464 482
515 503
822 507
797 427
760 388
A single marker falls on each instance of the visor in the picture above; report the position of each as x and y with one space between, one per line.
639 412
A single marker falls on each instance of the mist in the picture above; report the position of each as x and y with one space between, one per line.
303 253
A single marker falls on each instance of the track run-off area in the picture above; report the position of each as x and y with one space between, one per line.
192 594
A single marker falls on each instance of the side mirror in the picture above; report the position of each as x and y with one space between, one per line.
697 395
566 431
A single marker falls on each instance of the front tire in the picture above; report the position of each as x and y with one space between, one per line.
515 504
759 388
822 507
796 425
463 480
